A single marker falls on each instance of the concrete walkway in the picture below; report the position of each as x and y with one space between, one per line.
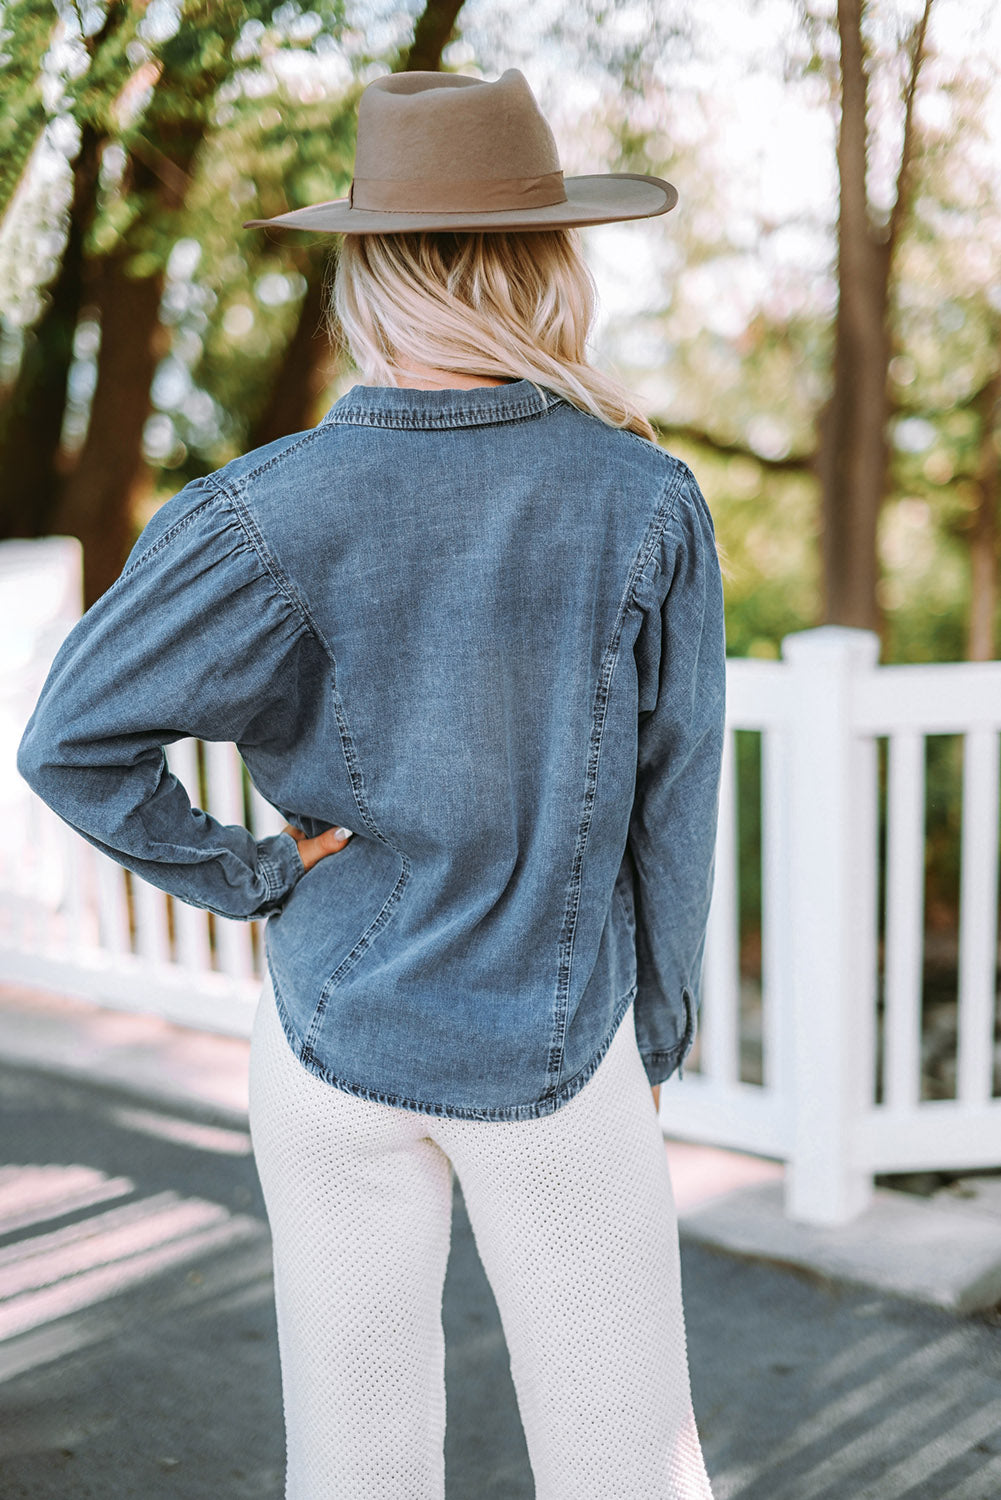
944 1250
138 1354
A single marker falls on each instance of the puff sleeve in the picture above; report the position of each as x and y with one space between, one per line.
194 638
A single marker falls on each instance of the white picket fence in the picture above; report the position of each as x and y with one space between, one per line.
78 923
72 920
821 712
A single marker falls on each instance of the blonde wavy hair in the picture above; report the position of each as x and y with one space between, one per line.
512 305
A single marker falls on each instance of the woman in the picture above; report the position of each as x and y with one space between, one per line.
474 616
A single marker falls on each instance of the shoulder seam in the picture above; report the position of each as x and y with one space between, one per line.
267 463
663 517
170 533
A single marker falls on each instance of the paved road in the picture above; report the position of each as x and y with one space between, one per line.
139 1355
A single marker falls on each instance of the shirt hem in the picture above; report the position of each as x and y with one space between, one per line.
665 1061
665 1064
535 1109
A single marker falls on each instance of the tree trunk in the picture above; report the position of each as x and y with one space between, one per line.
96 502
853 451
32 419
984 536
432 35
33 415
304 370
97 497
852 448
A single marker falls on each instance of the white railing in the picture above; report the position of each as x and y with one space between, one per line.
837 1095
82 925
71 919
821 713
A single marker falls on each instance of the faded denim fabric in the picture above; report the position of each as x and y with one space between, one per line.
484 630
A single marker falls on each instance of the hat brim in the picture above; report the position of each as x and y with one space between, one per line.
604 198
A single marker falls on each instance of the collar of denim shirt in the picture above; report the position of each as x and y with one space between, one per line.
407 406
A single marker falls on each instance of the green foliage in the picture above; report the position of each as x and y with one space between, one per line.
26 28
94 95
221 114
749 881
247 110
766 528
273 145
271 155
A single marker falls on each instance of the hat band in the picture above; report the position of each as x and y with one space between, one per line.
456 195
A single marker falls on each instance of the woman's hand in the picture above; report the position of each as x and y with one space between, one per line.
311 851
655 1090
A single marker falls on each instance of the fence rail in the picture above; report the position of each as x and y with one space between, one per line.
840 1001
79 923
843 931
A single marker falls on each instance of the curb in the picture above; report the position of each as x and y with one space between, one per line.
200 1074
932 1250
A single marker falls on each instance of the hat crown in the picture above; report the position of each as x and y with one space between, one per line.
446 152
421 126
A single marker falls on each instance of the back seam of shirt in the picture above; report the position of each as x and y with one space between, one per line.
349 750
295 599
568 929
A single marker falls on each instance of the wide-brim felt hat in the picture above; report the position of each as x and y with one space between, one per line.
445 151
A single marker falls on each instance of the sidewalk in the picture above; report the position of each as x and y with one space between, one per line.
944 1250
137 1342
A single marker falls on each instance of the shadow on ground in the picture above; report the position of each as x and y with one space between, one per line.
138 1353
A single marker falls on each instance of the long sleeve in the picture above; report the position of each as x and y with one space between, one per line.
194 638
680 653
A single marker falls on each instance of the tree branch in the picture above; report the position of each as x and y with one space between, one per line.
901 201
431 36
794 463
174 179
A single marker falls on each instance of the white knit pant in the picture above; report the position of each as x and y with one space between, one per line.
575 1224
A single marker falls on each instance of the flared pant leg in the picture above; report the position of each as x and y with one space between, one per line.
359 1200
575 1223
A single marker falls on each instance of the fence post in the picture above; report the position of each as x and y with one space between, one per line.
832 915
41 589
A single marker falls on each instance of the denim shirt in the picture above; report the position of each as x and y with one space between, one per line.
484 630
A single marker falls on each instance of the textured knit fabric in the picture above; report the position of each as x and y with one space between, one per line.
575 1224
482 629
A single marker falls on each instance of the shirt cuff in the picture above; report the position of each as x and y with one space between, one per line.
280 864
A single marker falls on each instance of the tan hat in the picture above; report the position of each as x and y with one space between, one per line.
445 151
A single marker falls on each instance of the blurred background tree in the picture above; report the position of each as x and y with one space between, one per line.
161 113
829 362
827 367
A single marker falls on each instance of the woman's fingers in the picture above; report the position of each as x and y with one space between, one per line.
332 839
311 851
